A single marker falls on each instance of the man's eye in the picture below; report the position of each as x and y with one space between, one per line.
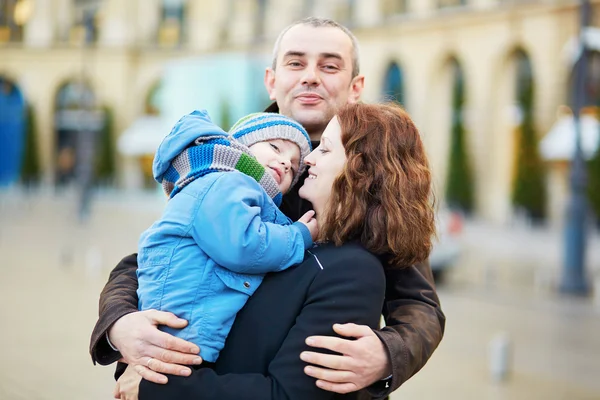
331 67
294 64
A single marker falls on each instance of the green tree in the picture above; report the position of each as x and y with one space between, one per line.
105 156
459 190
594 181
226 122
529 189
30 166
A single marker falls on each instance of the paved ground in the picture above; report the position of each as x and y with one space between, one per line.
53 268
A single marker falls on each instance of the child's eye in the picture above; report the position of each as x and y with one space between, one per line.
274 146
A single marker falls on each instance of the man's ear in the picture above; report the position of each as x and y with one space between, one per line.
270 82
356 88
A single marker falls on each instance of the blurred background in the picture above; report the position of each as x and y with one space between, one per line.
506 94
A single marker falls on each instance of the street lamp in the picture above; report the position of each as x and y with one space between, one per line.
89 119
574 279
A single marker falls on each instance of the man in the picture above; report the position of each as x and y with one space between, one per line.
315 71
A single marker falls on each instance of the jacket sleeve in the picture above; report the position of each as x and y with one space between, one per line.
118 298
415 323
331 298
229 229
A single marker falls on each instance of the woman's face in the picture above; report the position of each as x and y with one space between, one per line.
325 163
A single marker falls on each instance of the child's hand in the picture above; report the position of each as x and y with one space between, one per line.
309 220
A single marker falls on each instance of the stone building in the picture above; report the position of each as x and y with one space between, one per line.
60 55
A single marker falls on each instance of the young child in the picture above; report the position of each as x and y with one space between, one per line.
221 230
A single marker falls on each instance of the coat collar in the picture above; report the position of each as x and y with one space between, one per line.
273 108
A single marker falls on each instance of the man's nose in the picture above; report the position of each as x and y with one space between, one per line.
311 76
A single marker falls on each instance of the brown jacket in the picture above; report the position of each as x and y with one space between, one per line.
415 322
414 319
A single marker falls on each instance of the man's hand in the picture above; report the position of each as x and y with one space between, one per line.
148 349
363 362
128 385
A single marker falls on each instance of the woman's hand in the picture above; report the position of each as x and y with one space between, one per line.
128 385
148 349
363 362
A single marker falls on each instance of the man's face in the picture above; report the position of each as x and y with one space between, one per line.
313 77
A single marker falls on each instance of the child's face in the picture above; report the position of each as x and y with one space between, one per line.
281 158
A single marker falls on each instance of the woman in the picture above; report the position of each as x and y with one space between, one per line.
370 185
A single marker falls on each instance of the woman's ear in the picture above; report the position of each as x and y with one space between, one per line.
356 87
270 82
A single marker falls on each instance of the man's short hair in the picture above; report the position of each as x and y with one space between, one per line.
317 22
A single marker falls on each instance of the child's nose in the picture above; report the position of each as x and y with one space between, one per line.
287 164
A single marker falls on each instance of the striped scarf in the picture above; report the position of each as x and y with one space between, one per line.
216 154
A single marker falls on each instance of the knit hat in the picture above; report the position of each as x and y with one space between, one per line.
216 154
260 127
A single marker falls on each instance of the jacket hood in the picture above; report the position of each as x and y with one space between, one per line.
183 134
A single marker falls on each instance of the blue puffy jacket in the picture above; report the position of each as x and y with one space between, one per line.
212 246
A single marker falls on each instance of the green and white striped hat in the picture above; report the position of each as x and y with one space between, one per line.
260 127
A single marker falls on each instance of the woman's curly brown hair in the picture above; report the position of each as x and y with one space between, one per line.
383 195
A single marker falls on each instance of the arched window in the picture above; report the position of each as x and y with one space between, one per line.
393 84
529 188
458 92
592 86
74 96
12 131
12 18
71 98
592 105
392 7
451 3
171 30
459 188
524 82
85 22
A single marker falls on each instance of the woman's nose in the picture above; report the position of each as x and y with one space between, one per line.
309 159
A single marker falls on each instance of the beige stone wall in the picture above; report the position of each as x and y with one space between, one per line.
484 43
126 62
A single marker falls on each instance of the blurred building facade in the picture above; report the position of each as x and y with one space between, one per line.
59 55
